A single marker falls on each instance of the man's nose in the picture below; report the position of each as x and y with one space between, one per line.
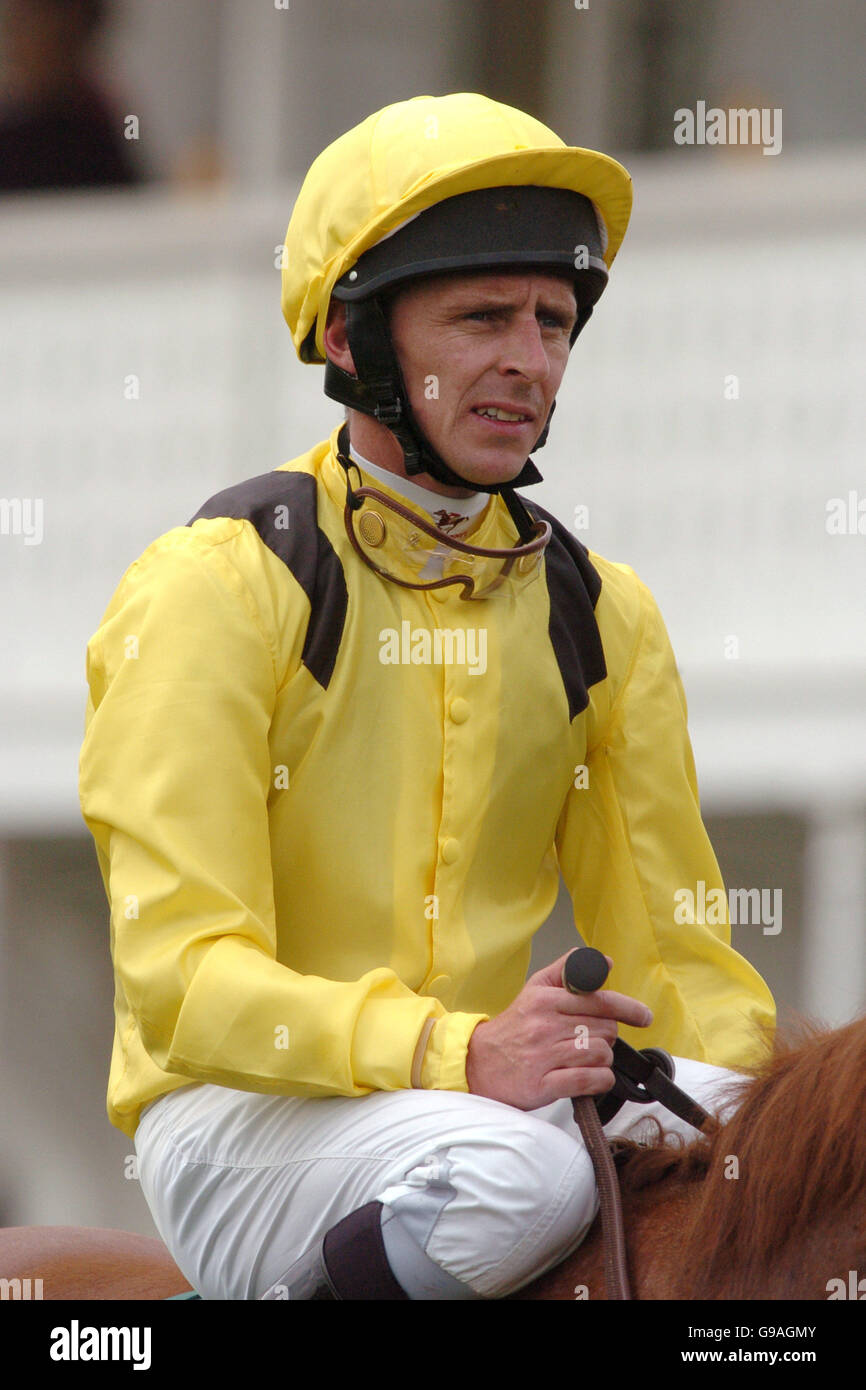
523 349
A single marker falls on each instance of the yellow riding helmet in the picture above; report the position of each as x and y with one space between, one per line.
408 157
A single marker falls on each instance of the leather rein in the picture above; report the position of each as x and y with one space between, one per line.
644 1076
638 1076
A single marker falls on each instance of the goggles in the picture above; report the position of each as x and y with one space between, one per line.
521 561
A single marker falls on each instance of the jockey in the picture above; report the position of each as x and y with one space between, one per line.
346 728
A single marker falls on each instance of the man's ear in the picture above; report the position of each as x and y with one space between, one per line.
335 339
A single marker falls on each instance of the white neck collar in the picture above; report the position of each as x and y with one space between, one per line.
434 503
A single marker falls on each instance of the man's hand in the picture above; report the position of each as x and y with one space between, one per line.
549 1043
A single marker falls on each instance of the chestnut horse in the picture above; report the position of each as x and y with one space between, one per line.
772 1205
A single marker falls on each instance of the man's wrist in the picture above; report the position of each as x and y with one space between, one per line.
472 1058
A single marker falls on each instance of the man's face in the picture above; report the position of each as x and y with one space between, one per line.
472 347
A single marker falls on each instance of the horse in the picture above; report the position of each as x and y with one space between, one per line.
770 1205
73 1262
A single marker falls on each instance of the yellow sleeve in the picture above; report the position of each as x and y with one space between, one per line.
175 773
631 838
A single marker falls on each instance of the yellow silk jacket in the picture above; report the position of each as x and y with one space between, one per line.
330 812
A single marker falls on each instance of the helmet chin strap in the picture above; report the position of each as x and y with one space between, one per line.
380 391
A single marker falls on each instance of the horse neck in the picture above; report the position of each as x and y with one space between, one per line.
782 1210
772 1206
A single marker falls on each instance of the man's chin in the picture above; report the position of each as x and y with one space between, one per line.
488 467
489 472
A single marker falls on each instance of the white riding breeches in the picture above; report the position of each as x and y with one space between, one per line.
241 1184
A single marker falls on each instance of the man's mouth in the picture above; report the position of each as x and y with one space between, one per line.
498 413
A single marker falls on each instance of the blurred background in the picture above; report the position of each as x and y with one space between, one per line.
709 431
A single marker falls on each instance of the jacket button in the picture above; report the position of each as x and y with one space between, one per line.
372 528
459 710
450 851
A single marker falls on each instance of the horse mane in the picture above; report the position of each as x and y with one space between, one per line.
781 1176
